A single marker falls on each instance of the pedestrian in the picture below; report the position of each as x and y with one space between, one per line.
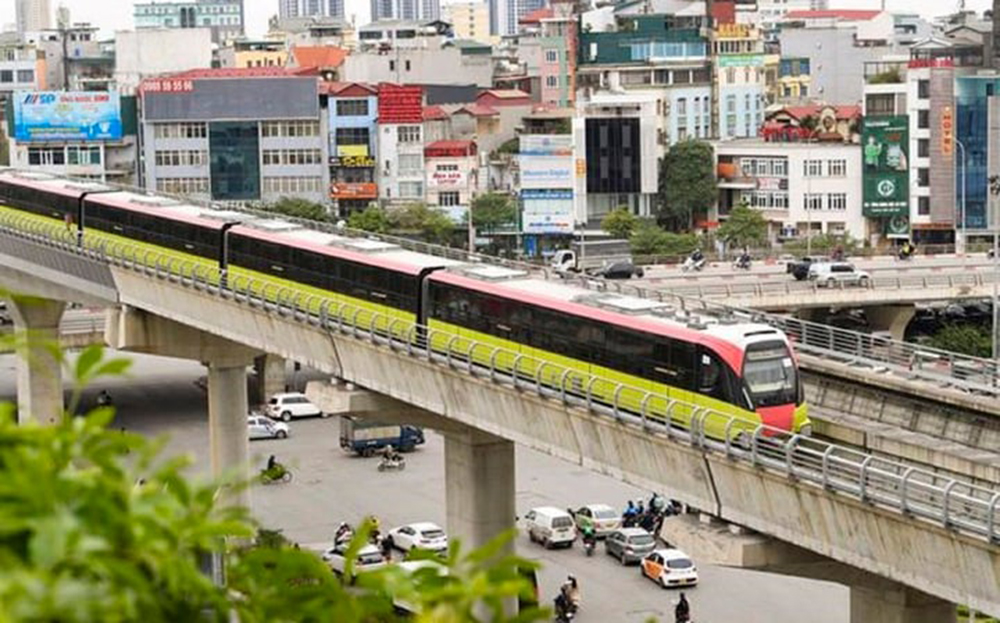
682 613
386 546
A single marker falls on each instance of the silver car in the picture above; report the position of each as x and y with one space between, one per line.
629 545
832 274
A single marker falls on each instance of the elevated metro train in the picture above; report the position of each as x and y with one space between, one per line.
742 369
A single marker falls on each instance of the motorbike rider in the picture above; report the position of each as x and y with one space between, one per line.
697 256
744 259
104 398
568 599
389 454
589 536
906 250
629 514
344 533
682 613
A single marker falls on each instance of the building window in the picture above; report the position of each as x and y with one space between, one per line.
923 148
6 76
448 199
923 89
410 164
180 130
292 157
812 201
551 56
923 177
25 75
296 185
813 168
274 129
40 156
351 136
411 190
836 201
83 155
408 134
923 119
181 158
183 185
682 107
923 206
352 108
880 104
836 168
551 81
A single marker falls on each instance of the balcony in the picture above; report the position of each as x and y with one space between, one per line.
731 177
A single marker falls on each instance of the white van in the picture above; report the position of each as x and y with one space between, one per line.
550 526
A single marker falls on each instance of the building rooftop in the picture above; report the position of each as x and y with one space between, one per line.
435 113
478 110
848 15
318 56
503 94
338 88
848 111
241 72
536 16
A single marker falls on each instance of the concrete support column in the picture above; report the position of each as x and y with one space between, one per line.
39 376
891 318
272 376
901 605
479 486
227 426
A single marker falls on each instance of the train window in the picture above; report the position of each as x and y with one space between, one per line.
712 381
673 363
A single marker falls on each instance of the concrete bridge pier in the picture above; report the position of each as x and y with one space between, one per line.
890 318
272 376
479 486
899 604
39 372
131 329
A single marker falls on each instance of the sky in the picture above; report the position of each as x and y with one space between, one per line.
112 15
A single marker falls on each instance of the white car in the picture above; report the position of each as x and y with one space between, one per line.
263 427
423 535
369 557
294 404
831 274
669 567
602 518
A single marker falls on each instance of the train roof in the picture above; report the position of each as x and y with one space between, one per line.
52 183
167 207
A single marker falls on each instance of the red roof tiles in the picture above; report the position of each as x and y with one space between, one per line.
842 14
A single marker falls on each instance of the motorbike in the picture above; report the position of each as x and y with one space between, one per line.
565 610
589 544
104 399
276 475
693 264
397 463
905 254
742 263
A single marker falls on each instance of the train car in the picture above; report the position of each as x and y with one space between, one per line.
741 369
48 197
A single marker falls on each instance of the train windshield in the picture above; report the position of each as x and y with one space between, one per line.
770 375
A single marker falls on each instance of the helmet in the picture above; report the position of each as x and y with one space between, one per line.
571 578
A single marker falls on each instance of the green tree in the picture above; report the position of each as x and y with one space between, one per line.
620 222
650 239
373 219
493 210
97 525
299 208
687 184
744 227
418 218
967 339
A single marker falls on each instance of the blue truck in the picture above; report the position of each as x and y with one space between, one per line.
366 437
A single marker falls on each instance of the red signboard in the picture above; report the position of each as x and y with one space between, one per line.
167 85
933 63
400 104
346 190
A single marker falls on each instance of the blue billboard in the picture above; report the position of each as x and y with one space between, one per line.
67 116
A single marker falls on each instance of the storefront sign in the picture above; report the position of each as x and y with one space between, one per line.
732 31
547 211
546 145
446 179
353 162
947 131
167 85
741 60
352 150
885 152
547 171
347 190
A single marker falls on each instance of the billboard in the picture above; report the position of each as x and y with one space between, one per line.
230 98
67 116
547 211
351 190
545 145
446 179
886 179
547 171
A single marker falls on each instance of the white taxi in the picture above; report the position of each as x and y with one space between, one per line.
669 568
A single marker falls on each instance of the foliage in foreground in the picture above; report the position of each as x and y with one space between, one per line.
745 227
964 338
98 526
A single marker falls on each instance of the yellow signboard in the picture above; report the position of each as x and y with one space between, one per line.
352 150
732 31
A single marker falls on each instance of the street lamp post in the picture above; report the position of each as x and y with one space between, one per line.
965 164
994 189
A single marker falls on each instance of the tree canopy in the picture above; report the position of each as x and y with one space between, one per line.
418 218
745 227
493 210
620 222
299 208
373 219
687 184
964 338
650 239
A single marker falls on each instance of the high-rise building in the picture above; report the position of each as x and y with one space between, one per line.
470 20
310 8
504 14
224 17
33 15
407 10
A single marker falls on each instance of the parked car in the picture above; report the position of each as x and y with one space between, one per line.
550 526
294 404
669 567
422 535
369 557
602 518
830 274
800 268
629 545
619 270
263 427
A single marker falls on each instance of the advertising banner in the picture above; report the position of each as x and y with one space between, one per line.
446 179
897 227
546 145
67 116
547 171
547 211
346 190
885 152
352 150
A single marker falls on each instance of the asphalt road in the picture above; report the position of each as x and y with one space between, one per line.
161 397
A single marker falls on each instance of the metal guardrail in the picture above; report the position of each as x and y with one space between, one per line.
761 289
882 483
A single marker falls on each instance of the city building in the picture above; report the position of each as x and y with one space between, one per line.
803 188
739 80
22 68
89 135
141 54
75 59
310 8
223 17
770 13
452 173
505 15
469 20
312 31
794 81
32 15
352 113
558 43
406 10
249 53
209 133
400 145
326 60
